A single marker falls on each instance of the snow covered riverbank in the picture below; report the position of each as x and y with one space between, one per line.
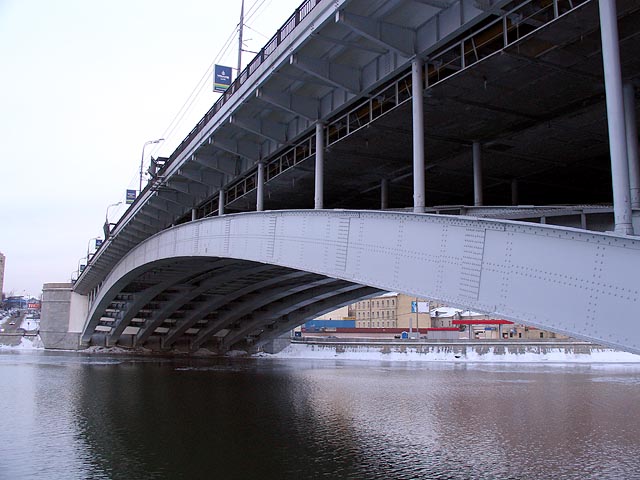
565 353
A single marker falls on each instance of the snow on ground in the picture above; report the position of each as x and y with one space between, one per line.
26 343
29 323
448 354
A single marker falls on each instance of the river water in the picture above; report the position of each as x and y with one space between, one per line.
73 416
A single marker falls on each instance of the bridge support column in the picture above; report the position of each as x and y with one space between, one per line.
384 194
221 202
63 315
417 101
477 174
514 191
615 117
631 129
260 188
319 185
194 214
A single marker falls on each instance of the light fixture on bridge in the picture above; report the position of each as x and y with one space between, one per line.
150 142
107 225
89 245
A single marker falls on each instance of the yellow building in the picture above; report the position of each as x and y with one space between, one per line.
392 310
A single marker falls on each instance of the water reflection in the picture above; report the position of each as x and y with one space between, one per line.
113 418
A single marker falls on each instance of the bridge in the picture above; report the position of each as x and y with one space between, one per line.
478 152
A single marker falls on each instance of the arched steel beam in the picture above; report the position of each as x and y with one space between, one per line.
556 278
293 319
222 300
106 297
218 279
276 310
140 299
257 302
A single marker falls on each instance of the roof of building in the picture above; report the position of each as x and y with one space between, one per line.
491 321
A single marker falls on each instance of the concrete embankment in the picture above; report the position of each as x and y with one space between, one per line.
457 351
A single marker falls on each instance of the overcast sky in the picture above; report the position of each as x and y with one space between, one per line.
83 85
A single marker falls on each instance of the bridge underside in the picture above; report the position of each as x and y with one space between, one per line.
240 280
537 107
185 303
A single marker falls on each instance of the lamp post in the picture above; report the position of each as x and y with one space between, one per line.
107 228
150 142
89 245
80 269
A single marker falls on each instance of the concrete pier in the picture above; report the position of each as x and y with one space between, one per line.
62 316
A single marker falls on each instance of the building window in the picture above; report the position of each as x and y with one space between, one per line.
541 334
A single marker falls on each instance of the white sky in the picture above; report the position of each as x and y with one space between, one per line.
83 85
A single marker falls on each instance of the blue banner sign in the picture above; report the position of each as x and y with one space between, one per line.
98 242
131 196
221 78
419 307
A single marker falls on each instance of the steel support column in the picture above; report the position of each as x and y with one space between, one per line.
194 214
260 188
384 194
221 202
417 101
615 117
631 129
477 175
514 191
319 185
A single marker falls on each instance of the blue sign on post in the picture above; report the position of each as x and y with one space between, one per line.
131 196
98 242
221 78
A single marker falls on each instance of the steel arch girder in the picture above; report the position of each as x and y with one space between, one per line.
556 278
156 320
219 302
289 305
260 301
296 318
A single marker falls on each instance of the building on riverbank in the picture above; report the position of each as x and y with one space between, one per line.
390 314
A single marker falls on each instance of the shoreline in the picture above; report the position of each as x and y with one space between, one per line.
561 352
456 351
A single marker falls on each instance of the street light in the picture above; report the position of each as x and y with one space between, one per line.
88 246
80 269
107 226
142 159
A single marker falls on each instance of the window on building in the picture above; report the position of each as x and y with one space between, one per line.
541 334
